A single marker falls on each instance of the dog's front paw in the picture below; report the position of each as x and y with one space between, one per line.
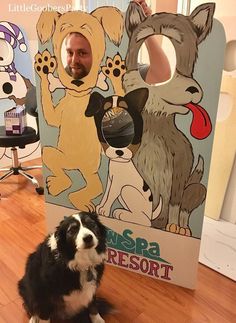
103 210
36 319
185 232
96 318
81 201
45 63
172 227
56 185
114 70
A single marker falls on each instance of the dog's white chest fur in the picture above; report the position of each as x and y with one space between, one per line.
80 298
133 177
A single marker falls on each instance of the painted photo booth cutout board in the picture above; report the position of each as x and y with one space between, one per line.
150 194
16 72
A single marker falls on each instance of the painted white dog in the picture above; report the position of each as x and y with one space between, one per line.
124 182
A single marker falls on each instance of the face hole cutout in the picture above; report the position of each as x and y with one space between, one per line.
163 64
118 127
6 53
76 55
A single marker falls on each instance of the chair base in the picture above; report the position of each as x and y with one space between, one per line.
17 169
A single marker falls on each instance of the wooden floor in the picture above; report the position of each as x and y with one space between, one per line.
137 298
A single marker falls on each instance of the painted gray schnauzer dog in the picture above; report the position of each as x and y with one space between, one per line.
165 158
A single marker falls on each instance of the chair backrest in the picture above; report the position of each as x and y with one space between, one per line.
31 106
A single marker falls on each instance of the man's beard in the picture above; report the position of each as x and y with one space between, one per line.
78 74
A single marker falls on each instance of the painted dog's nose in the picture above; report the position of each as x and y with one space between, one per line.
192 89
77 82
119 152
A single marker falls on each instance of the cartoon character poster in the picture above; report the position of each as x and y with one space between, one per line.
150 190
16 74
14 83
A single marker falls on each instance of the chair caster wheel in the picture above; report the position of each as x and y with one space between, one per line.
39 190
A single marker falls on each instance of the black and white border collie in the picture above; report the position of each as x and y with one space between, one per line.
62 275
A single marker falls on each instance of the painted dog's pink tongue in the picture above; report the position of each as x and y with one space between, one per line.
201 123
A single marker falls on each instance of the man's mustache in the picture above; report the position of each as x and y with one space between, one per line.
77 66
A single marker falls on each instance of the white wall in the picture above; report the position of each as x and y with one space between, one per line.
223 8
228 212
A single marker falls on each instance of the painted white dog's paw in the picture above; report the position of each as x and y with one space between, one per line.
117 214
103 210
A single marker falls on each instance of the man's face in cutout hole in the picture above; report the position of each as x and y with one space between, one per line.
78 59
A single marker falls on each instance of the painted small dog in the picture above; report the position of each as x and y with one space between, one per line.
63 274
124 181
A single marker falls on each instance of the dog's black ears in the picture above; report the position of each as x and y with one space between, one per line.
93 215
60 227
137 98
95 104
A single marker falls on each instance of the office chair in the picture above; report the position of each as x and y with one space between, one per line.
29 136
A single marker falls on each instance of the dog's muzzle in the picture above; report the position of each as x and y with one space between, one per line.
77 82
